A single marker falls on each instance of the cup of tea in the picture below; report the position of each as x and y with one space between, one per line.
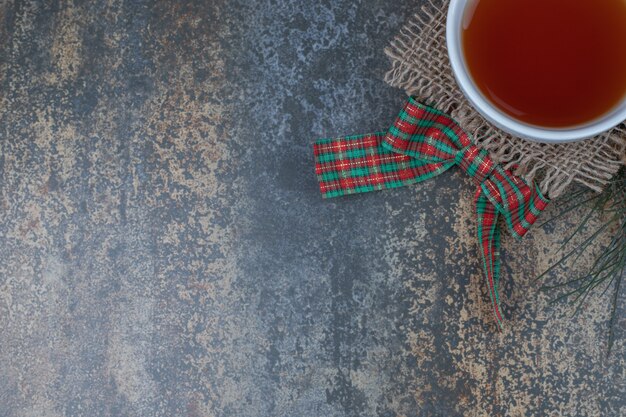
547 70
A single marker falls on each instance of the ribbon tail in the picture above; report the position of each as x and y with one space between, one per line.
489 240
359 164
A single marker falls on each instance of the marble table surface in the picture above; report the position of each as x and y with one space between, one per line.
164 249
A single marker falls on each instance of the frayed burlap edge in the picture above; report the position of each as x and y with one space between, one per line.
421 67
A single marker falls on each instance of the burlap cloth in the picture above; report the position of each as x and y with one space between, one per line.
421 67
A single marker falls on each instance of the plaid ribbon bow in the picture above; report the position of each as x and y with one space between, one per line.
422 143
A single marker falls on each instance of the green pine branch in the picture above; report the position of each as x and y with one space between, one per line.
609 268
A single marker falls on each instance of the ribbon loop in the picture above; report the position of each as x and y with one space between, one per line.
426 134
421 144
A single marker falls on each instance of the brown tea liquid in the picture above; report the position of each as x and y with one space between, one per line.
551 63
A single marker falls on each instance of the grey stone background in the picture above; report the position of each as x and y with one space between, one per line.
164 250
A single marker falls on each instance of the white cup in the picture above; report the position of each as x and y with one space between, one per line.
505 122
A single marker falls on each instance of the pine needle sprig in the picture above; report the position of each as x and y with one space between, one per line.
609 268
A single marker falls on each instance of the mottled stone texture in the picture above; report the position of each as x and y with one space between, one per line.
164 250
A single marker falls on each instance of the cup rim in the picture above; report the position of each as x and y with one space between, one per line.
500 119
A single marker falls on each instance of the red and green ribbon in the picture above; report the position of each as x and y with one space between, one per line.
422 143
